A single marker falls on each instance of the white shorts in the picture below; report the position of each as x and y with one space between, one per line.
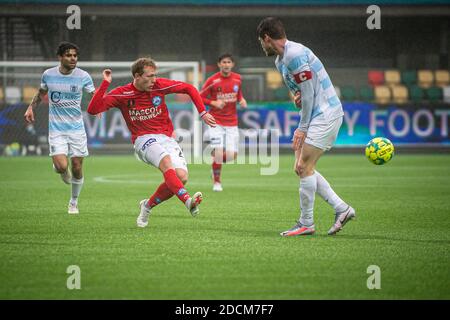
323 136
224 137
71 145
151 148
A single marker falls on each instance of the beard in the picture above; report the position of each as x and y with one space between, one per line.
269 52
69 66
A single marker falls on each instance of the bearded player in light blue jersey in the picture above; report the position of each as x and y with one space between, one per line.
321 117
64 85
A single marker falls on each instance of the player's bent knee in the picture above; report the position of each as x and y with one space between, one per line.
165 163
60 167
183 176
306 172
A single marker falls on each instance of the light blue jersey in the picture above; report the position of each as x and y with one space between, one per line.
303 71
64 98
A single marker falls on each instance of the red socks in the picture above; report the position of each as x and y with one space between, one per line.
175 185
161 194
217 168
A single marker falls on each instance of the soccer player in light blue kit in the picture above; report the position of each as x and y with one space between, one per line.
321 117
64 85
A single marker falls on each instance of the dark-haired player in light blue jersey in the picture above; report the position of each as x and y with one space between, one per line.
321 118
64 85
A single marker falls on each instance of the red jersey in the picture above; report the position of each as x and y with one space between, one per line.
144 112
218 87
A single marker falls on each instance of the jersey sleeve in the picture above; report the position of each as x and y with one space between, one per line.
44 81
298 67
88 84
239 93
168 86
101 102
205 92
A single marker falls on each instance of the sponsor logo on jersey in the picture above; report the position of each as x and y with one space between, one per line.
302 76
227 97
56 96
156 101
144 114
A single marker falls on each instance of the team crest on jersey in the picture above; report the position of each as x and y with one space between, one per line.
219 89
156 101
235 88
73 88
131 103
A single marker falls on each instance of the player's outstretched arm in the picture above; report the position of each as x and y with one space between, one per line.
29 114
99 103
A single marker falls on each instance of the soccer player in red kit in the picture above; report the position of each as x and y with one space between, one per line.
143 107
220 92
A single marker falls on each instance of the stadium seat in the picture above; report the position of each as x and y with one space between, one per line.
416 93
273 79
375 77
282 94
382 94
446 93
442 78
348 93
392 77
425 78
434 94
399 94
28 93
366 94
12 95
409 77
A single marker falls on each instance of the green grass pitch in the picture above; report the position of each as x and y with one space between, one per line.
232 250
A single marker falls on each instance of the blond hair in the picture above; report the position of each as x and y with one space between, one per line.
139 64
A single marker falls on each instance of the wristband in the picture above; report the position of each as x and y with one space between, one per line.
202 114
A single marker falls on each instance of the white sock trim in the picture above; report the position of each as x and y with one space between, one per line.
78 181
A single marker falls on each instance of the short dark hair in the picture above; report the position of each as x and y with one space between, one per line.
63 47
139 64
271 26
225 55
